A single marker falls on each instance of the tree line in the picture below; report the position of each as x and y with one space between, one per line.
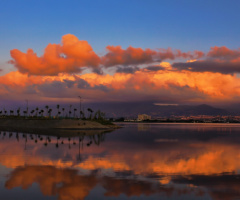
46 112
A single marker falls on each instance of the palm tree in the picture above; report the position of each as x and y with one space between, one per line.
58 106
18 112
11 112
36 111
63 109
74 110
49 112
90 112
47 108
32 111
42 111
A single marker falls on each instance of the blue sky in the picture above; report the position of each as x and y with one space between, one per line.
186 25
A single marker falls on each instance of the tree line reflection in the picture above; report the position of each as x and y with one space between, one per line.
176 163
80 139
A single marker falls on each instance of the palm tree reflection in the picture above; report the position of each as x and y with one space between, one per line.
85 139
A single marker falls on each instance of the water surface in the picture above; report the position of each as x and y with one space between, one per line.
139 161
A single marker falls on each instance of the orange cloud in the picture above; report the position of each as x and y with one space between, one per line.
163 82
69 57
53 75
218 86
72 55
117 56
133 56
223 53
218 59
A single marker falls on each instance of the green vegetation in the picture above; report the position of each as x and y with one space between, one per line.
46 114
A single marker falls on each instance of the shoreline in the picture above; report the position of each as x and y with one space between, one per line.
53 124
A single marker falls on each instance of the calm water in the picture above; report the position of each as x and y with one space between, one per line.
139 161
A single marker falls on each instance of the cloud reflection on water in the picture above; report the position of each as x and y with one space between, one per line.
134 166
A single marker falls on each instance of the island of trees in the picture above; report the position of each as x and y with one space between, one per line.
64 118
46 113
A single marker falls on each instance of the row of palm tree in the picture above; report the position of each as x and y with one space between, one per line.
47 112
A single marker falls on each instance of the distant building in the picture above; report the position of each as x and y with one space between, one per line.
144 117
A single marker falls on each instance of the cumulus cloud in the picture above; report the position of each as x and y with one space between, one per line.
223 53
73 55
118 56
123 74
133 56
69 56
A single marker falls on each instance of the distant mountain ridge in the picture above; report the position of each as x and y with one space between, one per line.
131 110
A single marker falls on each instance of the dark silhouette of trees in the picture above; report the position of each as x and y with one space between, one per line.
49 112
99 115
42 111
63 109
32 111
36 114
11 112
18 112
90 113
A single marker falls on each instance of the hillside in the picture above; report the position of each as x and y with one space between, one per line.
133 109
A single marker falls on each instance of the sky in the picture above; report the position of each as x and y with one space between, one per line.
184 52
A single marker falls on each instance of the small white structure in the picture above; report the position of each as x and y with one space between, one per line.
143 117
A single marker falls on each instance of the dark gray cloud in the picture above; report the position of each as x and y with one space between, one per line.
82 84
98 71
30 89
127 70
210 66
154 68
101 87
55 88
69 83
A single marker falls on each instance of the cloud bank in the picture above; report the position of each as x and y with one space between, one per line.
72 67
